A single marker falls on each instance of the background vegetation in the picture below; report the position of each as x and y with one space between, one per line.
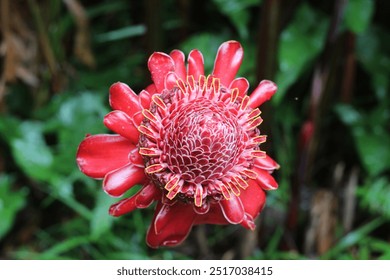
328 125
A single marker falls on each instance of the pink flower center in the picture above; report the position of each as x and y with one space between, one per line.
202 141
198 141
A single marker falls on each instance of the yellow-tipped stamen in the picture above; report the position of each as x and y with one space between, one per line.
241 182
151 152
249 173
258 154
159 102
254 123
154 168
202 83
172 183
233 186
198 197
191 83
216 85
259 139
234 95
147 131
149 115
181 85
253 114
225 191
173 192
244 103
209 82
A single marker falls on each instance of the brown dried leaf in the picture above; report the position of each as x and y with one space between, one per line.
82 47
323 215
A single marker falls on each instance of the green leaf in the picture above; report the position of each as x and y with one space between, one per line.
375 195
348 114
10 203
358 14
8 129
30 151
75 109
354 237
76 117
122 33
373 149
380 246
372 51
238 13
370 136
64 246
101 221
272 247
61 188
299 43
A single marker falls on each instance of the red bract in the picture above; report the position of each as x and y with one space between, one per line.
190 140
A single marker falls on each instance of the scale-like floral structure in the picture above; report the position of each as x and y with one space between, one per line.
191 141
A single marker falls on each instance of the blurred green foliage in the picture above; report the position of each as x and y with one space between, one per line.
306 32
10 204
49 210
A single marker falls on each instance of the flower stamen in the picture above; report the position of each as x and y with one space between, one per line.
172 183
173 192
198 197
159 102
258 154
225 191
147 114
244 103
154 168
150 152
234 95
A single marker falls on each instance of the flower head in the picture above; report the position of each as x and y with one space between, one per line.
192 142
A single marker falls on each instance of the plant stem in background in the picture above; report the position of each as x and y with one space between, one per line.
153 24
267 41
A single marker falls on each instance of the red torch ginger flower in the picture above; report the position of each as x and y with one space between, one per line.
191 141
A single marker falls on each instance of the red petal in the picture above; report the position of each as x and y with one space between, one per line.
228 61
138 118
123 98
266 163
171 80
232 209
265 180
248 222
264 91
99 154
180 68
253 199
160 64
147 195
213 216
117 182
151 89
121 123
195 64
173 223
142 199
145 98
124 206
136 159
241 84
